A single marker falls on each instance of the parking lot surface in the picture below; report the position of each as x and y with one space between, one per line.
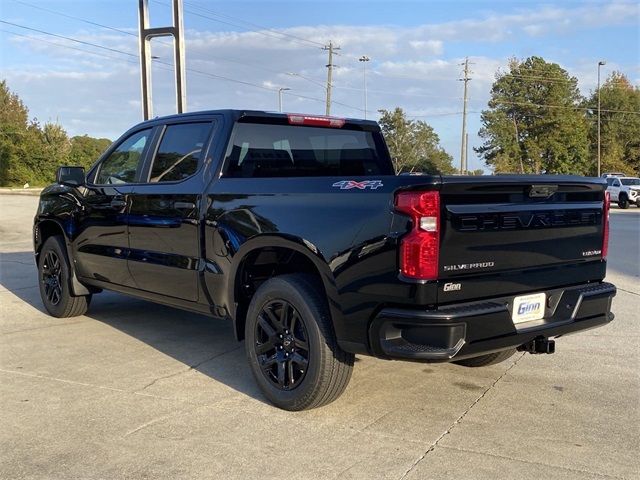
137 390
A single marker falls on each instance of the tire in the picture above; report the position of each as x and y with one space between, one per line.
54 280
486 360
294 356
623 202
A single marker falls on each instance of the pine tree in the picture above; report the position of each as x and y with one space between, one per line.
535 122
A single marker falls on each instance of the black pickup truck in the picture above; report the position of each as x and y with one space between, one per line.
297 229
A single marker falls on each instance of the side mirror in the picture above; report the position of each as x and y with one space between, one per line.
71 176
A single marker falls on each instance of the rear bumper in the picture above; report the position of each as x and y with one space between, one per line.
466 330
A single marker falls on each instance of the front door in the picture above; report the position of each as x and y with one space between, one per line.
101 244
164 233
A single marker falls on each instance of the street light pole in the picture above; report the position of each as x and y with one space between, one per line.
600 64
364 59
280 90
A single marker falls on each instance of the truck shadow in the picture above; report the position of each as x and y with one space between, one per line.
204 344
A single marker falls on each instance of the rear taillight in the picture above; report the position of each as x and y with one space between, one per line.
315 120
419 249
605 225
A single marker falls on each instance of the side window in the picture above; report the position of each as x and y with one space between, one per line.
609 181
616 183
121 165
179 152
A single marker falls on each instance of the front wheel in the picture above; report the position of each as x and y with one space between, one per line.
54 279
291 345
623 202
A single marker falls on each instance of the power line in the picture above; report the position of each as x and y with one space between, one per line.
70 39
168 65
104 55
564 106
398 93
262 27
125 32
89 22
266 32
212 75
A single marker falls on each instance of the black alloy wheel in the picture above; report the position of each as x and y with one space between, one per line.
51 277
281 344
55 281
291 345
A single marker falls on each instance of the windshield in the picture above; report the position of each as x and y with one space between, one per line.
630 181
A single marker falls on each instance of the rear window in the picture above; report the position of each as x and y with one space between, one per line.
179 152
263 150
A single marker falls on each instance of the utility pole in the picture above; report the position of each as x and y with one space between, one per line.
463 141
466 153
146 34
600 64
364 59
331 48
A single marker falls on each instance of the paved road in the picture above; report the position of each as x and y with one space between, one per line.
135 390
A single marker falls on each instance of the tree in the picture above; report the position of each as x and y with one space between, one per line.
535 123
620 125
85 150
14 123
30 153
414 145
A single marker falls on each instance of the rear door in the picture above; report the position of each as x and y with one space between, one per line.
102 242
164 218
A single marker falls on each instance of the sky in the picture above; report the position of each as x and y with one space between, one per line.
239 53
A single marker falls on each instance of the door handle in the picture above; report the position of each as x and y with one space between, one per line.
184 205
118 202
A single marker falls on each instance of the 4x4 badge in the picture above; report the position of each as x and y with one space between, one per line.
349 184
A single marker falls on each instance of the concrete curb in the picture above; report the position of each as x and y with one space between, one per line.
21 191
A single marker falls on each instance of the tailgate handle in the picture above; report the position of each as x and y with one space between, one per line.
542 191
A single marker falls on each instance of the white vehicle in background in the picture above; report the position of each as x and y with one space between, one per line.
624 190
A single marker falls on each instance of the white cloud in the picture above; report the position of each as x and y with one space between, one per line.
408 68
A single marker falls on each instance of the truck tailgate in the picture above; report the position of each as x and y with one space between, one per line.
502 235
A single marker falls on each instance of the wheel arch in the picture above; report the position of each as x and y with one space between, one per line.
269 255
42 231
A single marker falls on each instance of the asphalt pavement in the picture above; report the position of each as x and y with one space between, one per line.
136 390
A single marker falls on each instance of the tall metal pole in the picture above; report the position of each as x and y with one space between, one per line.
463 160
364 59
600 64
146 34
178 57
331 48
280 90
466 153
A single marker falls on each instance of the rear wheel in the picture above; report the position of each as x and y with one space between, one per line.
486 360
55 281
623 201
291 345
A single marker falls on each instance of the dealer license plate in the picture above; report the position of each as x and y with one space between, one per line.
528 307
